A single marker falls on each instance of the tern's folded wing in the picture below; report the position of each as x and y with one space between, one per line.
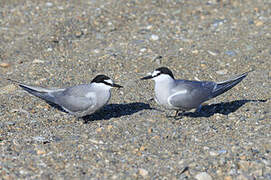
190 94
76 103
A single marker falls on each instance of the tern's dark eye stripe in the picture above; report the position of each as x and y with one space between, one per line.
157 74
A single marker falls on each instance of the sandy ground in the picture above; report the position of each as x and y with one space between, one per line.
65 43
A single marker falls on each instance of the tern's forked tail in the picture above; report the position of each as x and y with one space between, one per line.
227 85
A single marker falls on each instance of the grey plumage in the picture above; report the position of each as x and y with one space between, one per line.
80 100
185 95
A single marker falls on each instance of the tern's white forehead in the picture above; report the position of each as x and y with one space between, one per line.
155 73
109 81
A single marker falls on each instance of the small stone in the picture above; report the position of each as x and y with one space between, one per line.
222 151
95 141
195 51
99 130
243 157
154 37
109 127
143 50
49 49
142 148
222 72
40 152
214 153
203 66
258 23
78 34
49 4
4 65
149 27
212 53
96 51
144 173
37 61
10 123
230 53
39 138
203 176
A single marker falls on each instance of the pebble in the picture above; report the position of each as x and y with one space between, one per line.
95 141
203 176
40 152
212 53
195 51
214 153
258 23
38 61
222 72
39 138
154 37
78 34
49 4
230 53
4 65
204 66
144 173
143 50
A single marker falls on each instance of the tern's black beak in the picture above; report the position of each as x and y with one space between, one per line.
147 77
116 85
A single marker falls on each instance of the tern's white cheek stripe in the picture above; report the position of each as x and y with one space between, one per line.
109 81
155 73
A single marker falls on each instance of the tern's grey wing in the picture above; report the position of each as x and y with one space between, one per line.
190 94
77 98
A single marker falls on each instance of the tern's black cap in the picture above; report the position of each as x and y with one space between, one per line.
164 70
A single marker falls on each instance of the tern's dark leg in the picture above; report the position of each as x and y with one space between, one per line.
198 109
176 117
176 114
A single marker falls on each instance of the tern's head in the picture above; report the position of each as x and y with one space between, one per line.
104 80
160 74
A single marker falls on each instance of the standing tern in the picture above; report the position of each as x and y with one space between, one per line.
80 100
183 95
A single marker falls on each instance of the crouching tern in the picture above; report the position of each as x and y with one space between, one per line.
183 95
80 100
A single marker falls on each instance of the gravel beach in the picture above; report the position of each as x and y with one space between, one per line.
64 43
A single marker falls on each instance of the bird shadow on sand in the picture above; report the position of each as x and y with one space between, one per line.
224 108
116 111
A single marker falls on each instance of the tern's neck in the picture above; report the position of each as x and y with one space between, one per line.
102 86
